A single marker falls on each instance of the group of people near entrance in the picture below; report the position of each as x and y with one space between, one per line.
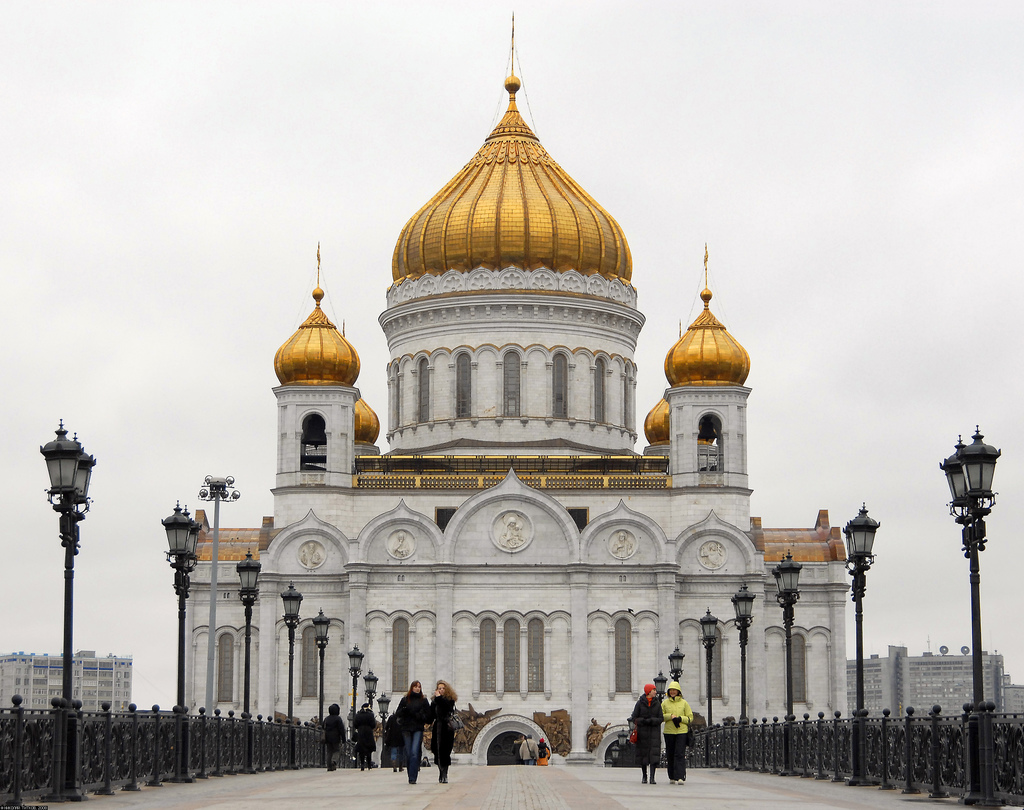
403 732
649 715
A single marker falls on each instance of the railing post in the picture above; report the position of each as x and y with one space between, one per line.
910 789
987 755
202 744
133 757
805 734
936 755
820 746
108 733
155 779
763 738
217 721
837 771
60 751
885 752
775 744
19 742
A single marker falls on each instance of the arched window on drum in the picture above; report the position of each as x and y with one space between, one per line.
709 445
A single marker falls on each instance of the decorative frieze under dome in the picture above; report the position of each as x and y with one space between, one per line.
512 278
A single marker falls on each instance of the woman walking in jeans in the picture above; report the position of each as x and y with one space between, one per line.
414 712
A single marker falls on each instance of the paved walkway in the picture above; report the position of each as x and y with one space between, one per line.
510 788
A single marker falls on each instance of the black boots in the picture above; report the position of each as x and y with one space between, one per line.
442 776
652 775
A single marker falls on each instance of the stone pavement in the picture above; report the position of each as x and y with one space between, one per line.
509 788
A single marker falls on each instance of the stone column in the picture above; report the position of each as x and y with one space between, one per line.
444 586
266 661
579 702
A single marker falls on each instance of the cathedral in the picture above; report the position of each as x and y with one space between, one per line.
513 540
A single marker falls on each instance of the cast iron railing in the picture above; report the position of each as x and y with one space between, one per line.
128 749
915 753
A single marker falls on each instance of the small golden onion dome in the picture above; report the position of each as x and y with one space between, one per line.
656 424
367 424
707 354
317 354
512 205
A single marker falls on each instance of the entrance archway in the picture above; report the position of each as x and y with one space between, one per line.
503 749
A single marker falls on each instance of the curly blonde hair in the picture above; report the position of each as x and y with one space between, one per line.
448 691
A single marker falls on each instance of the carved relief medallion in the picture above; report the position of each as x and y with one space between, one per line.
512 531
312 554
622 544
712 555
401 544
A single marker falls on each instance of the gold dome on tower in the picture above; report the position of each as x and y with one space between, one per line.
706 354
317 354
512 205
656 425
367 425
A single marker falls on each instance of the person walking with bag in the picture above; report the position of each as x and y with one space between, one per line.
394 740
334 735
414 712
678 716
446 723
648 718
364 724
528 751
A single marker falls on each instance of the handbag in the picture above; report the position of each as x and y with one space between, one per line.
455 721
633 735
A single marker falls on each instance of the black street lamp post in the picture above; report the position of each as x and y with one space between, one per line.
248 575
355 669
321 626
709 637
675 663
292 600
182 538
70 472
969 473
787 580
860 538
743 602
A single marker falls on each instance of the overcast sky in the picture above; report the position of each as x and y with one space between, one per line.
856 169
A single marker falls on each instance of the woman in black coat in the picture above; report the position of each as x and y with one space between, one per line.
442 738
648 718
414 712
364 724
334 735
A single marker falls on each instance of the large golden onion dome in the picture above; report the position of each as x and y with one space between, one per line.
367 426
317 354
512 205
706 354
656 425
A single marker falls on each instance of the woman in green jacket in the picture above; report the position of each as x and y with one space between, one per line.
678 716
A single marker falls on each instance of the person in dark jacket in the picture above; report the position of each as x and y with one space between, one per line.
334 735
394 740
648 719
364 724
442 738
414 712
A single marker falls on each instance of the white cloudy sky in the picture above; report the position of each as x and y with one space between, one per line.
168 169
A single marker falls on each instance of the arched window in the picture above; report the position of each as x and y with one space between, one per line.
511 632
314 443
599 372
799 669
463 386
626 421
310 657
225 668
623 656
423 373
716 665
560 387
535 655
488 649
396 403
510 384
400 655
709 445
